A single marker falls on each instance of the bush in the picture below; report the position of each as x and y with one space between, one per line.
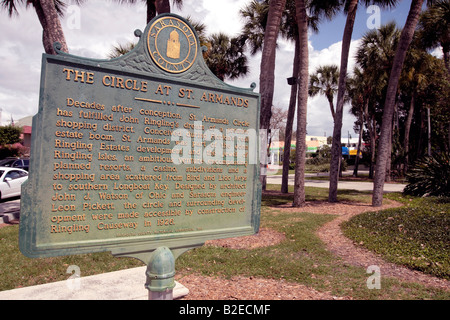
430 176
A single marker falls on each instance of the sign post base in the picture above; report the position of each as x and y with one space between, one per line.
160 274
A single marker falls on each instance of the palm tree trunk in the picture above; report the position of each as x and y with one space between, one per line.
405 40
336 150
361 128
290 122
445 50
429 131
162 6
387 177
408 123
373 145
267 73
151 10
51 26
330 102
299 182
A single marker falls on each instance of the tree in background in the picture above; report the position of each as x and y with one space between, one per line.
350 8
324 81
386 125
434 27
225 57
9 135
48 12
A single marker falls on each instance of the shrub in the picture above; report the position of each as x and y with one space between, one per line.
430 176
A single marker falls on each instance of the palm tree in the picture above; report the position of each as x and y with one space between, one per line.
256 16
357 93
302 100
350 7
266 79
317 10
120 50
48 12
374 56
325 81
434 26
414 80
255 20
267 73
383 144
225 57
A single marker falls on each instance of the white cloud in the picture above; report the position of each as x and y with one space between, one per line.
319 116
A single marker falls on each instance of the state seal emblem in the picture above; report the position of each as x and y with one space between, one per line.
172 44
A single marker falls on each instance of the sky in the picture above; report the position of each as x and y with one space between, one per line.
93 28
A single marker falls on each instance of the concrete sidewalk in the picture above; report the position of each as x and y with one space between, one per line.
353 185
118 285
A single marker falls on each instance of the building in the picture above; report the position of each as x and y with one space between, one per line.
313 143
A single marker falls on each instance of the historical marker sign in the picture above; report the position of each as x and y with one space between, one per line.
143 151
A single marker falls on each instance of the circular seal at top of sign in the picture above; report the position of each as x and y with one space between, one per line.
172 44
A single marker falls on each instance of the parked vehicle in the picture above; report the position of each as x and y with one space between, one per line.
11 180
20 163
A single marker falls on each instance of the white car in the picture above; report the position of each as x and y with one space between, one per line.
11 181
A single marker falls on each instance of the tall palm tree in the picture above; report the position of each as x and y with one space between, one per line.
325 81
302 100
48 12
267 68
350 7
413 81
255 21
383 144
267 76
256 17
317 10
358 95
374 56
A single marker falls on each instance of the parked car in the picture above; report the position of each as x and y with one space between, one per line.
11 180
20 163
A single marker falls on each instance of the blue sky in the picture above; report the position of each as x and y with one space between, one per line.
332 31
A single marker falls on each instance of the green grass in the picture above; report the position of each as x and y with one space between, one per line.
301 258
416 235
17 271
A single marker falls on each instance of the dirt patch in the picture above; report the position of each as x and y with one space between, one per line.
242 288
248 288
264 238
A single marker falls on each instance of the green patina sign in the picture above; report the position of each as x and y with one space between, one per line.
139 152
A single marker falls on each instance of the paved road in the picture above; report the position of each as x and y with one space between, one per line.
354 185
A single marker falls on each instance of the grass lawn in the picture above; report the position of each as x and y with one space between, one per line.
416 235
301 258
